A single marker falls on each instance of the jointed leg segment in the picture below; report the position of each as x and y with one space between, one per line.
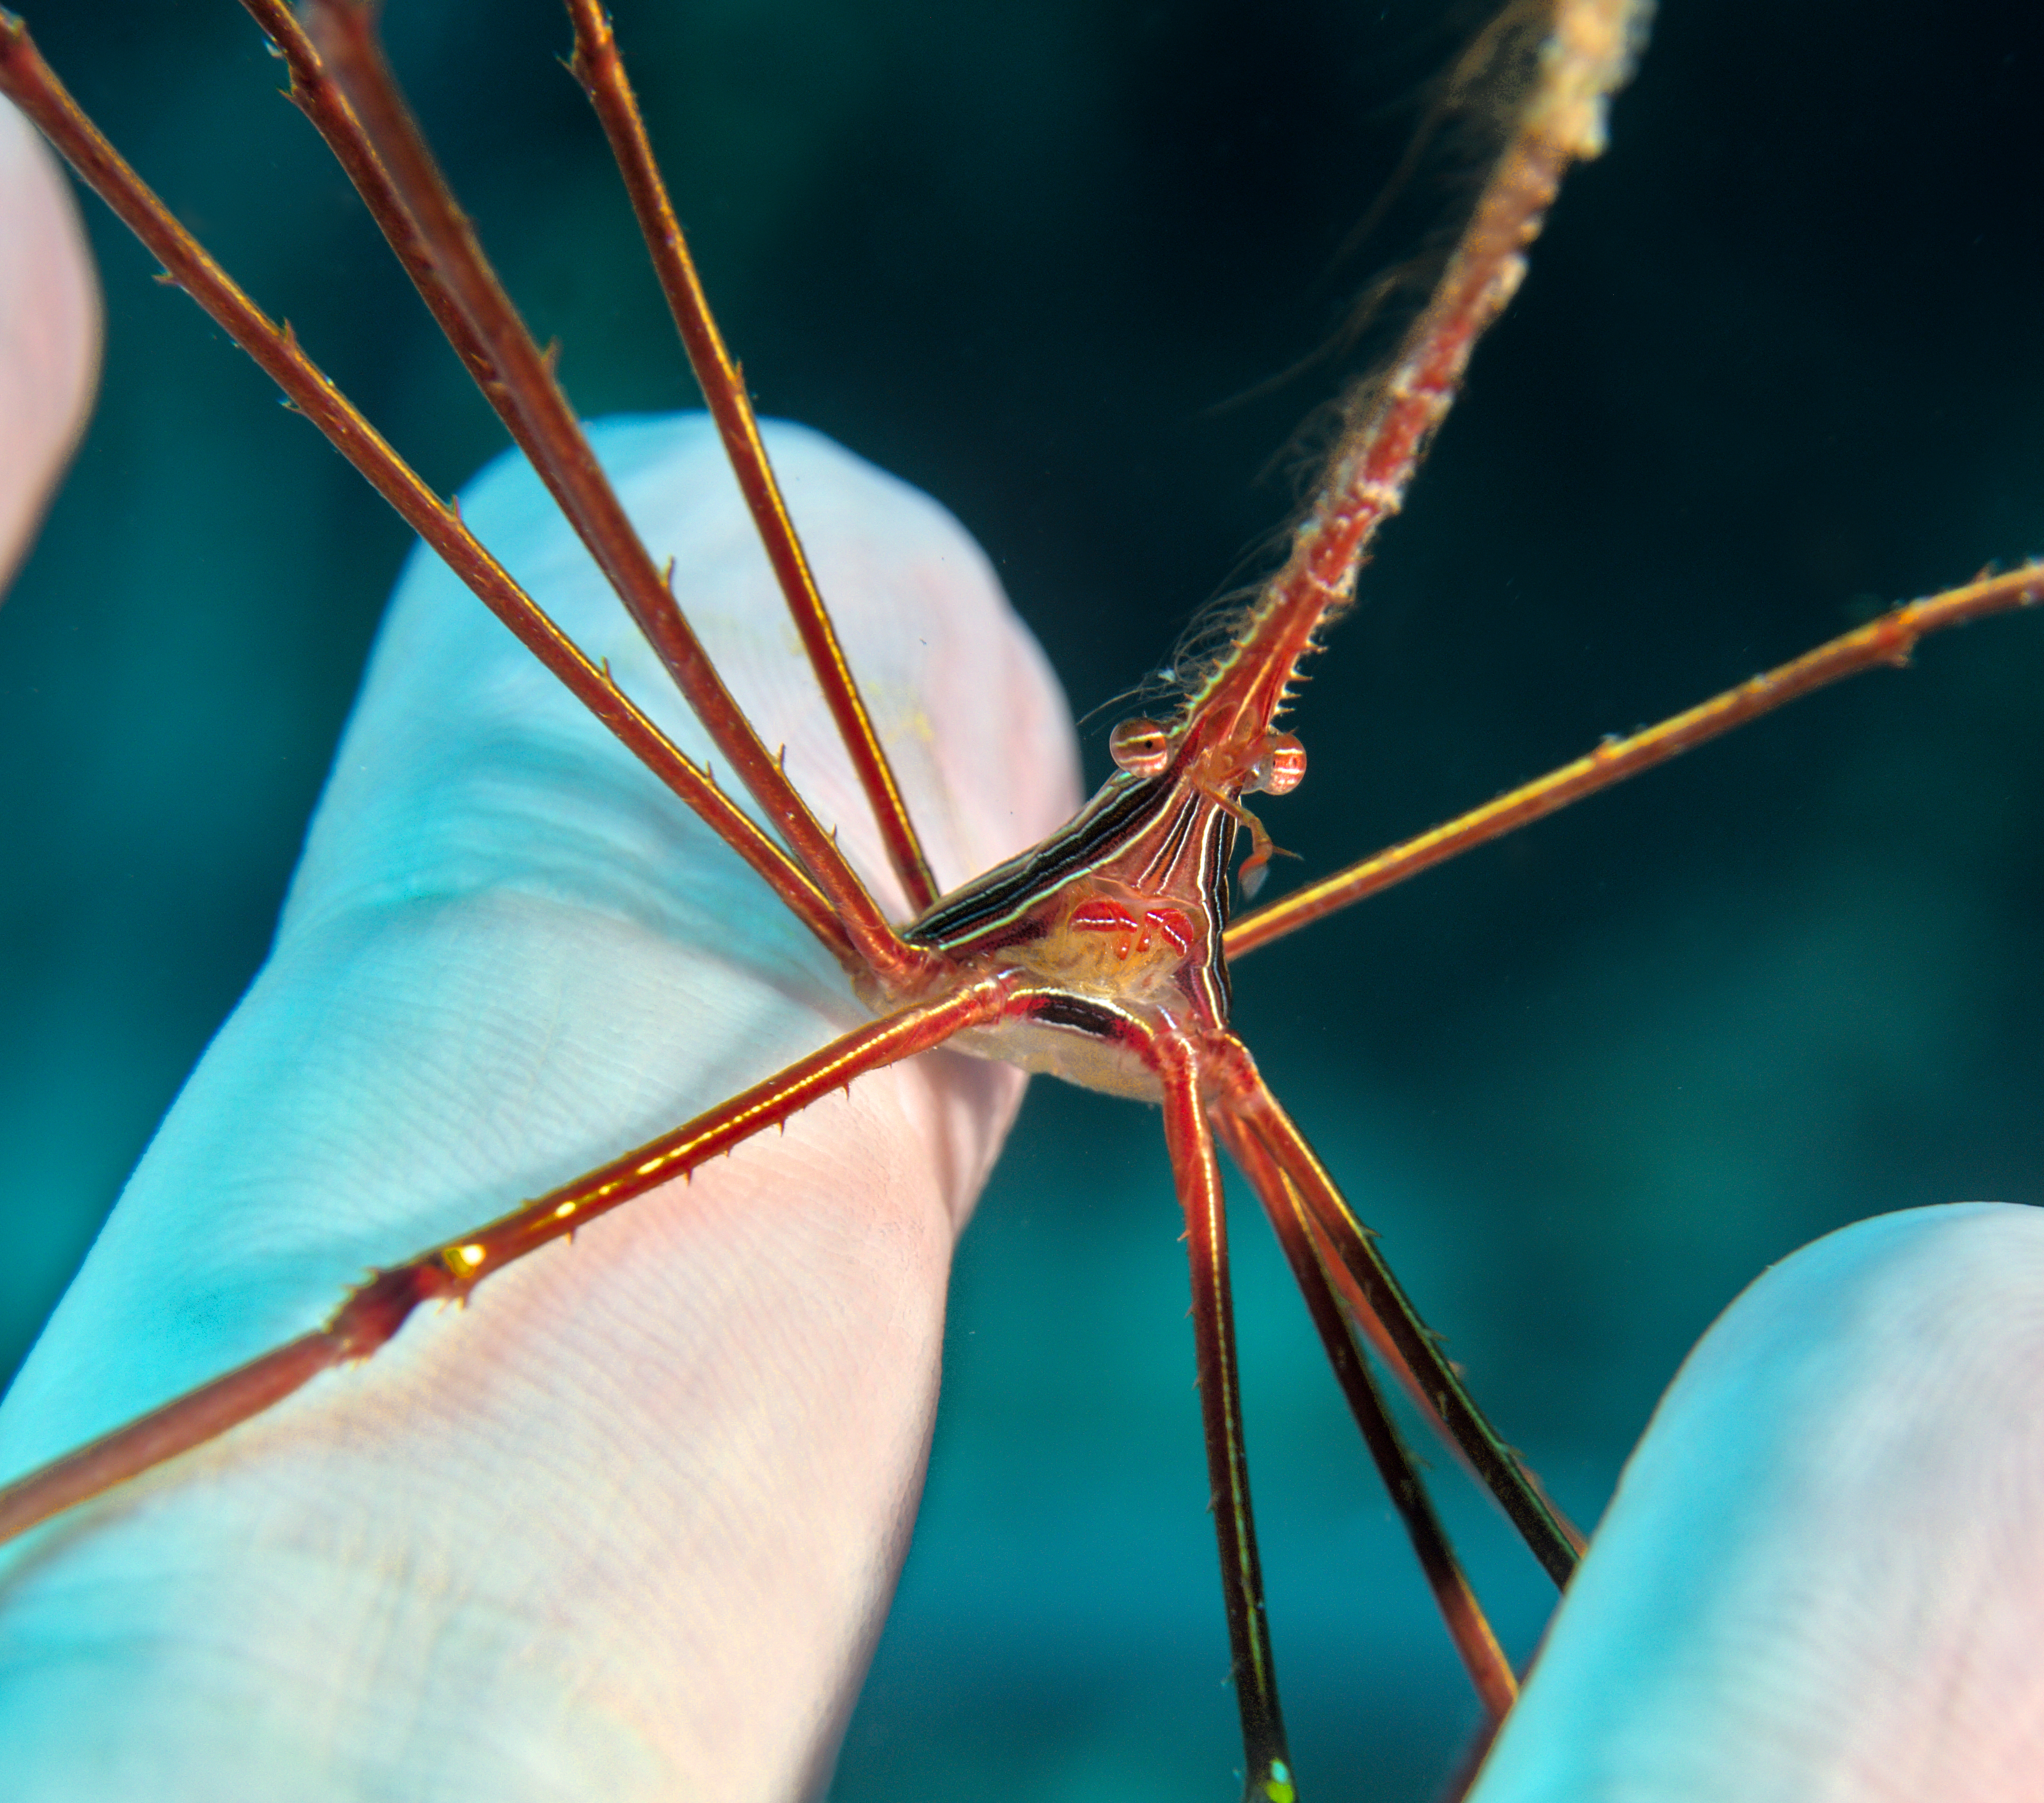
27 81
1266 1763
600 70
1886 642
1307 1254
1365 1284
374 1312
410 199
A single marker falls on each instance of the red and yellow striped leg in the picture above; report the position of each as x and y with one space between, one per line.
1309 1256
1886 642
1364 1282
373 1314
27 81
1267 1768
413 203
601 70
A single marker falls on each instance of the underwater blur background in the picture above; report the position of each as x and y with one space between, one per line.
1778 363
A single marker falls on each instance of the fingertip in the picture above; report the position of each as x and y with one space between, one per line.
50 331
1821 1573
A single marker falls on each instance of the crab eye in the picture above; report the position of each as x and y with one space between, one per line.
1281 768
1143 748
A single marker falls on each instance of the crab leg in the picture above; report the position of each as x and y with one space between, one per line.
1310 1257
1266 1769
1364 1282
374 1311
28 81
411 200
1889 640
601 70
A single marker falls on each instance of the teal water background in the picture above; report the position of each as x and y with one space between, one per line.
1778 362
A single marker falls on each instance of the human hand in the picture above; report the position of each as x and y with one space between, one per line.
628 1525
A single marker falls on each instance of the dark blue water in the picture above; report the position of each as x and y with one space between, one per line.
1778 363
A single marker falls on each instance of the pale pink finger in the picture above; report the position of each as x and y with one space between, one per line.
1822 1580
49 332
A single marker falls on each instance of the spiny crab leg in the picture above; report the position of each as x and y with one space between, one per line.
1364 1282
1889 640
601 70
1266 1762
373 1313
29 82
410 199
